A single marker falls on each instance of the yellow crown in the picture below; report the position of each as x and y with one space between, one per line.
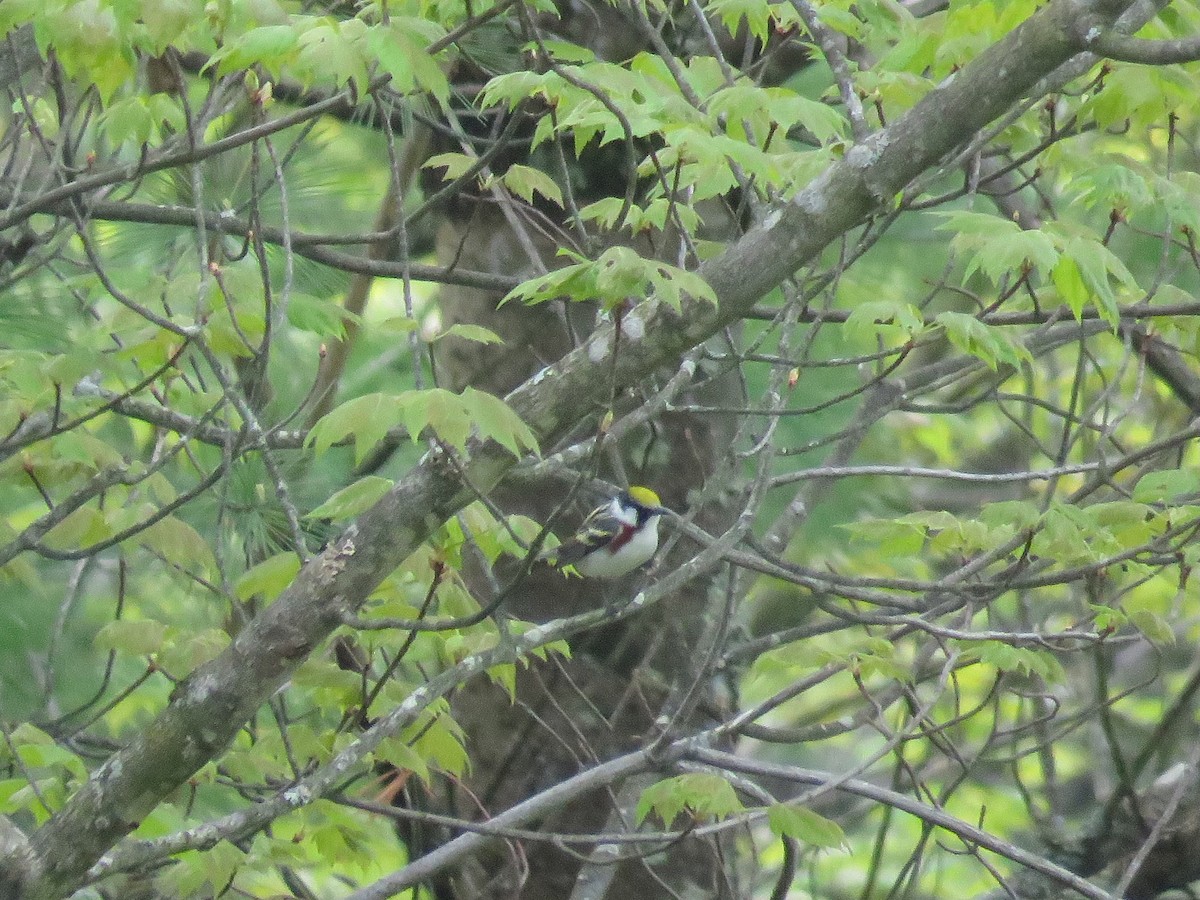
644 496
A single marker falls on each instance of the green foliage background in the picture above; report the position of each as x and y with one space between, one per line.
1051 269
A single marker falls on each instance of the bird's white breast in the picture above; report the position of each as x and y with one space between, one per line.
636 551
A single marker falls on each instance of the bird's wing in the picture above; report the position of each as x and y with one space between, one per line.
597 529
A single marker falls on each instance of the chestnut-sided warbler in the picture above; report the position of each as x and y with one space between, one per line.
615 538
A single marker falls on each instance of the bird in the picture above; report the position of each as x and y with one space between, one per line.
615 538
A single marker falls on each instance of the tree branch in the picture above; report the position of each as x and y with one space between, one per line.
1123 48
310 246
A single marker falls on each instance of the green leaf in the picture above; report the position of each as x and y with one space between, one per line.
13 792
1129 92
192 650
128 120
86 449
138 637
319 315
179 543
561 51
445 413
452 416
1166 485
26 733
618 273
39 750
82 528
880 658
789 109
334 52
430 77
442 745
891 538
1097 266
512 88
950 534
402 756
455 164
270 46
1069 536
658 212
496 420
456 601
38 754
560 648
1177 199
1107 618
367 419
398 324
887 319
166 20
269 578
166 110
33 797
525 181
805 825
1130 524
15 13
670 284
991 345
353 499
842 20
505 676
471 332
604 212
998 247
575 282
1155 627
1019 514
394 52
205 874
238 341
414 414
90 41
705 795
1113 185
1069 281
1025 660
755 13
